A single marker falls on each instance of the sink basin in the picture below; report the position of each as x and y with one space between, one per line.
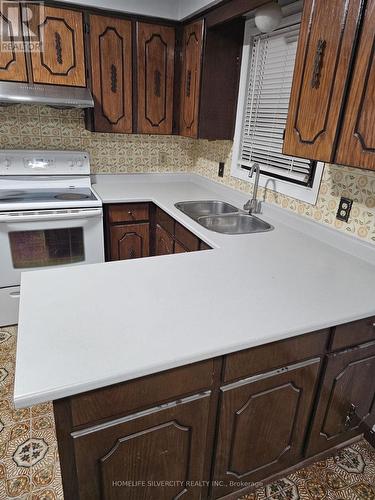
235 224
222 217
196 209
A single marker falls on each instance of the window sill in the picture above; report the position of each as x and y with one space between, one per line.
302 193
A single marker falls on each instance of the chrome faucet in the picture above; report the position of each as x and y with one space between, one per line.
254 205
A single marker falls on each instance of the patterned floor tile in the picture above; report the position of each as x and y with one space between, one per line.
349 475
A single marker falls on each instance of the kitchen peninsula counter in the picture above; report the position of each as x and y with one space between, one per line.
86 327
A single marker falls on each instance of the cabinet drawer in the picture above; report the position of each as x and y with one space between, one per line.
122 399
186 238
165 220
354 333
128 212
266 357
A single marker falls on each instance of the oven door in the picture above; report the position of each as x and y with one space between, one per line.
48 238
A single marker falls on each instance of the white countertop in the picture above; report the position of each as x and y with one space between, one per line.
87 327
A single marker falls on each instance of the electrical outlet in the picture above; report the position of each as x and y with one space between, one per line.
162 158
344 209
221 169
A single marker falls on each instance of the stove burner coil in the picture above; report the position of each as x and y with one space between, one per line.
71 196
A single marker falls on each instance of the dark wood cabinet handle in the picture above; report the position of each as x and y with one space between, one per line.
157 83
113 78
58 47
188 83
318 62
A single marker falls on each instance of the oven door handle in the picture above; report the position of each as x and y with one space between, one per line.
47 215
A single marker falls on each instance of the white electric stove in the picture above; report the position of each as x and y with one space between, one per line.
49 217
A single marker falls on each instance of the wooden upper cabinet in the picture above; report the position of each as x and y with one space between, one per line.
155 60
357 141
111 69
12 59
61 57
327 37
190 78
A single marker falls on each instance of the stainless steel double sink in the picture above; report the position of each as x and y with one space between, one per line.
222 217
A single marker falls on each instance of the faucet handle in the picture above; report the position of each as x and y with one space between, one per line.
253 206
247 206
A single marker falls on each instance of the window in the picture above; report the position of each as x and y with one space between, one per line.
266 81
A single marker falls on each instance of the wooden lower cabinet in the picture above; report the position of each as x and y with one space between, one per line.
135 230
130 457
349 379
130 241
201 432
179 248
262 427
164 243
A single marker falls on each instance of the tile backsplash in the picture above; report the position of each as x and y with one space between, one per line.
40 127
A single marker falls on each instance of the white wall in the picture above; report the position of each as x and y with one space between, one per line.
188 7
159 8
168 9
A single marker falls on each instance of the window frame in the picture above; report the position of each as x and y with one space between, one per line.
308 194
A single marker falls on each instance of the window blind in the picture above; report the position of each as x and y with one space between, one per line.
266 107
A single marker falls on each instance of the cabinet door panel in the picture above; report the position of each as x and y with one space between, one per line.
111 63
164 244
12 62
190 82
357 141
262 424
61 58
349 379
129 241
155 54
325 46
179 248
162 444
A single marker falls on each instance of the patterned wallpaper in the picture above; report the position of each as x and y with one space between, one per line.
337 181
47 128
41 127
